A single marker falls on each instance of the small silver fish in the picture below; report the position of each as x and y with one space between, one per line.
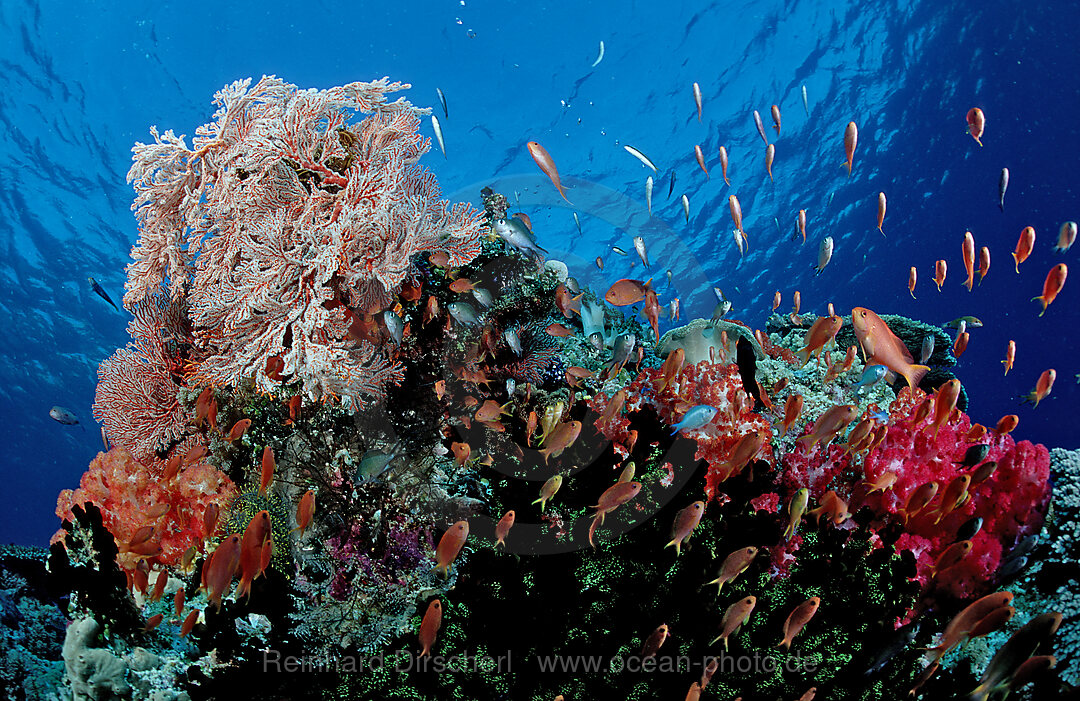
1003 185
438 133
824 254
596 340
515 233
721 310
373 465
62 415
805 102
738 241
639 246
760 127
669 276
511 386
927 348
394 325
513 340
600 57
624 345
442 100
578 222
671 184
686 207
573 285
620 251
961 329
641 157
483 297
599 263
648 193
463 313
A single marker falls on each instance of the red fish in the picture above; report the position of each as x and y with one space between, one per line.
968 250
797 620
770 155
944 403
654 641
941 269
912 278
189 623
792 410
734 617
701 159
851 139
881 202
626 292
256 536
823 331
882 347
776 119
736 214
1007 424
1010 356
734 564
450 545
1055 280
613 497
984 263
429 626
237 429
502 528
1024 244
1043 387
267 470
305 511
976 122
547 164
723 165
220 567
685 522
802 226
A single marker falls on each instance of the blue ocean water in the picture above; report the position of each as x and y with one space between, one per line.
81 83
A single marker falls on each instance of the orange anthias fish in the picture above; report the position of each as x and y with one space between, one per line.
829 424
776 300
941 268
851 139
747 447
968 250
961 344
625 292
685 522
984 263
561 438
1055 280
189 622
964 621
736 214
450 545
797 620
723 165
770 156
1024 244
882 347
976 122
734 564
912 278
220 567
462 285
547 164
792 411
955 496
776 119
652 311
237 430
919 498
491 410
701 159
1007 424
502 528
823 331
268 465
613 497
559 331
652 644
734 617
1043 387
944 403
461 452
802 226
951 557
429 626
305 511
1010 356
881 202
256 537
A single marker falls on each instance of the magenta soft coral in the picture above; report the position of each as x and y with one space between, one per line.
1011 501
706 383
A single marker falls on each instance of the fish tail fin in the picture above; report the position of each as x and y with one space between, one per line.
713 641
784 645
1016 260
915 374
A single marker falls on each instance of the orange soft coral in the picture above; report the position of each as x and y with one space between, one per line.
131 497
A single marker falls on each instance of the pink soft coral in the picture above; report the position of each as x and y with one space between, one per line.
1011 501
130 496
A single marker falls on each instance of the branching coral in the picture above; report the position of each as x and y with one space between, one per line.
280 220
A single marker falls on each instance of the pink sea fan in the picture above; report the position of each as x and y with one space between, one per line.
282 220
136 397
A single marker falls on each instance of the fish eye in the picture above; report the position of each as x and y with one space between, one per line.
500 221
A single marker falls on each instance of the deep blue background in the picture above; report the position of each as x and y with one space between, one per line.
79 85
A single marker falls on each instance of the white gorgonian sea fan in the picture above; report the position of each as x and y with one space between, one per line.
283 220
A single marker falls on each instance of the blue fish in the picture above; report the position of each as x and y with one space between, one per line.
697 417
872 375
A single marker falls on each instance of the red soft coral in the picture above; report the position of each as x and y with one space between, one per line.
715 385
1011 501
129 495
